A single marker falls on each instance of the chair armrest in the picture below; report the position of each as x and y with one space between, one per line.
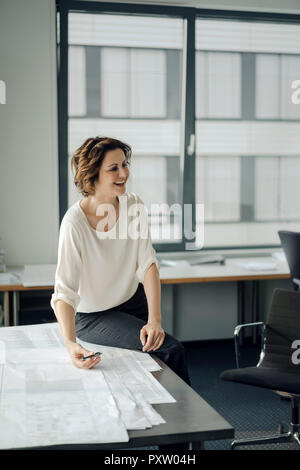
236 339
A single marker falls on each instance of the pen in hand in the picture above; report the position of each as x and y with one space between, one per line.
96 354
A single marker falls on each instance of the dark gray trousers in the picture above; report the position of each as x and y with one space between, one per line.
120 327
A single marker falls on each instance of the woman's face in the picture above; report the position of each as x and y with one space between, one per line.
113 174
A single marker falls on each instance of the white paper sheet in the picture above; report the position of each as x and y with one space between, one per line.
146 361
48 405
136 378
279 256
38 275
46 400
12 407
20 356
153 416
167 262
259 266
32 336
83 414
9 279
132 412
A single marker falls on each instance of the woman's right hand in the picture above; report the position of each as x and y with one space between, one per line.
77 352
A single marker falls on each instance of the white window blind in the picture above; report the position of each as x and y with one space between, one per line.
268 86
218 85
77 82
133 83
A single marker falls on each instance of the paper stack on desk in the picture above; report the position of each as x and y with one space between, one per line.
38 275
9 279
46 400
259 265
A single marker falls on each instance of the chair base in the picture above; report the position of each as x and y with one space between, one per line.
276 438
293 434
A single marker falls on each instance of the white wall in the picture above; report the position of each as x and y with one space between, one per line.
28 132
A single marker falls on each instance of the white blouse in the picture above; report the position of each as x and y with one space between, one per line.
95 273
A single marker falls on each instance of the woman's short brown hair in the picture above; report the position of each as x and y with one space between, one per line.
88 158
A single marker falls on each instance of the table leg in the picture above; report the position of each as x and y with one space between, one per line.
16 308
241 306
167 301
6 308
254 309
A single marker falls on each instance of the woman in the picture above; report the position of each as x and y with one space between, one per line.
107 288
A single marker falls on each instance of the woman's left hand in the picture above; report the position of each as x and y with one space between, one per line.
155 336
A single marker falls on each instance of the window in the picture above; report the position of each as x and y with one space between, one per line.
218 87
125 79
247 150
77 82
133 83
131 76
274 76
277 188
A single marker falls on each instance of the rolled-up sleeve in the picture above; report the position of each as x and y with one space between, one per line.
68 269
146 254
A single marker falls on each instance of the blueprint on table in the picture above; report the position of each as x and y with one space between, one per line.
46 400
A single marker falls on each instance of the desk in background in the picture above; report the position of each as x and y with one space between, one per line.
181 274
212 278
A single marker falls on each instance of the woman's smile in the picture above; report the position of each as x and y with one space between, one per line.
120 185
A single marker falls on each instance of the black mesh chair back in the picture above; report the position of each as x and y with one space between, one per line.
282 329
290 242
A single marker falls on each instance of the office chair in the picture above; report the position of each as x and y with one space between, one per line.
290 242
278 367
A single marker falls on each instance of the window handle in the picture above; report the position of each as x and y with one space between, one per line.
191 146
